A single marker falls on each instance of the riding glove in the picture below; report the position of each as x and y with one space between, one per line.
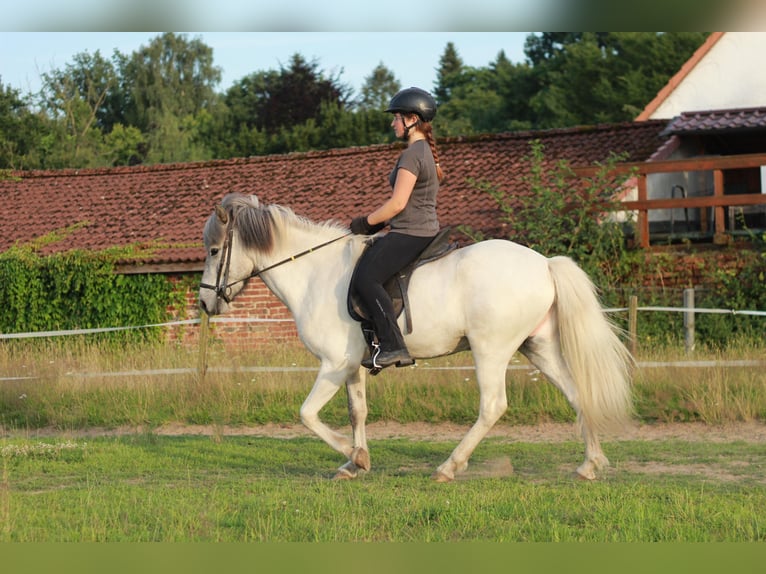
360 226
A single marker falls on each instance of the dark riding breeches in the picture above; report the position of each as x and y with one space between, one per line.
387 256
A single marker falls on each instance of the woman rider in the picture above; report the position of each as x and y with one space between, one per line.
410 212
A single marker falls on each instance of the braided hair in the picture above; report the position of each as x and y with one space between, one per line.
427 130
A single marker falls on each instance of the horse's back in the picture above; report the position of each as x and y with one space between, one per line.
502 254
493 285
505 272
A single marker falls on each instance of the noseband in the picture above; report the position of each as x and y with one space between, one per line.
222 288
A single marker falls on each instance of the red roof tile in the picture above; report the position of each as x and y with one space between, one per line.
165 206
713 121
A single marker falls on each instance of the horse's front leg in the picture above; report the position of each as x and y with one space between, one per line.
357 413
327 383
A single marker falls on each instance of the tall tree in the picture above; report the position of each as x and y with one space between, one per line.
172 75
20 130
378 89
91 79
167 84
448 73
272 100
602 77
75 100
272 111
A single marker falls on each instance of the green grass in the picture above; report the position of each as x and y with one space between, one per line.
156 488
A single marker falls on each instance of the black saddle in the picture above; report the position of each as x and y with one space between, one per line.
398 284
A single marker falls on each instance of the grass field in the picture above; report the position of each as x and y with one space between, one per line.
146 486
156 488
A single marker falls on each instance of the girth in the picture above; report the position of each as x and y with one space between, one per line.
397 286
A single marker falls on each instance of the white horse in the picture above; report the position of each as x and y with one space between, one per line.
494 298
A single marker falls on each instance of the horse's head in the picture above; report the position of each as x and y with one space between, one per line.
229 236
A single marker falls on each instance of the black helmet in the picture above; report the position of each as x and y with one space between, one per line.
414 101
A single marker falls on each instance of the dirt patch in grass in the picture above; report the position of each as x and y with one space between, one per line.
752 432
731 470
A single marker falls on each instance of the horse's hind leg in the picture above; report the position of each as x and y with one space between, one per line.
544 352
490 374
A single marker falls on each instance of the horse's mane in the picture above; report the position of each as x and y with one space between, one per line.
258 226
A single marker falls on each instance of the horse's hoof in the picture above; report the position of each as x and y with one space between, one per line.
361 458
586 472
344 474
439 476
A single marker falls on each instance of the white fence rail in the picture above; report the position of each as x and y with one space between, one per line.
151 326
201 369
689 309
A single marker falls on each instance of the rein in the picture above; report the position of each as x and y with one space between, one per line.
222 289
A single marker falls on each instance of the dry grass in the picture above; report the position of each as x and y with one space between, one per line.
74 384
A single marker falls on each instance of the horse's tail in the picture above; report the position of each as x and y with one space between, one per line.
598 361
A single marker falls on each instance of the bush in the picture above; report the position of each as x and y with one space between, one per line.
79 290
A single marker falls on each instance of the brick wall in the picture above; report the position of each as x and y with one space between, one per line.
255 301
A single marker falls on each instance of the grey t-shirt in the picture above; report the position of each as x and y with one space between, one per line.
419 216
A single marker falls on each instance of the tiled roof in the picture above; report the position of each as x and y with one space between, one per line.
167 205
713 121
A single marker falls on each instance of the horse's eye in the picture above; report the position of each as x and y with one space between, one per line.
213 252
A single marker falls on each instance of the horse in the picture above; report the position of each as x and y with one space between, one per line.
493 297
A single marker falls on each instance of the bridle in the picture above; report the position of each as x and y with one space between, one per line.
222 286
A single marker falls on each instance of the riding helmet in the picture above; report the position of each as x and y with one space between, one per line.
414 101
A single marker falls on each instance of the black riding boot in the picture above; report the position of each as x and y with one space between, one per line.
381 261
391 349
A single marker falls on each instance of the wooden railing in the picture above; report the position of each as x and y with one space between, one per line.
718 201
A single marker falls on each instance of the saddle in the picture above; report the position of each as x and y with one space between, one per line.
397 286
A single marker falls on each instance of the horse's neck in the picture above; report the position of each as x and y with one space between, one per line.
295 279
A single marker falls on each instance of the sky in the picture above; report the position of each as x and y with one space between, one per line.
352 56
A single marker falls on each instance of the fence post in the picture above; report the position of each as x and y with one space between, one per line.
633 324
689 320
203 335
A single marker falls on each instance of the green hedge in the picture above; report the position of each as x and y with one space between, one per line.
80 290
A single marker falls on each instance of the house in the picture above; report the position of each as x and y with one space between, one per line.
724 73
163 207
715 106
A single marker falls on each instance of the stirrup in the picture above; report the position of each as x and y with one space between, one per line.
374 351
382 359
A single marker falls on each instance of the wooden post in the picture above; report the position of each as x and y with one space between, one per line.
689 320
719 237
633 324
643 214
203 336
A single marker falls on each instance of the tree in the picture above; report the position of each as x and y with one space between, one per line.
77 100
588 78
273 100
171 76
166 86
474 104
448 74
20 130
378 89
276 110
125 145
91 79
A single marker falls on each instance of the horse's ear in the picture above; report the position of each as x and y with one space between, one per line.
223 217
